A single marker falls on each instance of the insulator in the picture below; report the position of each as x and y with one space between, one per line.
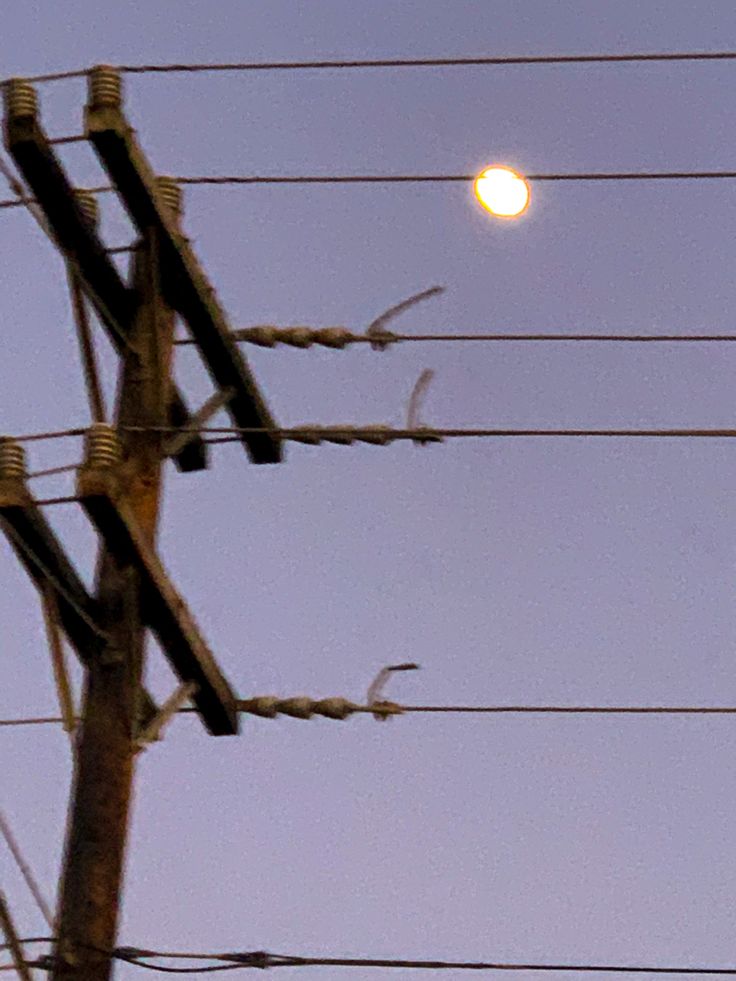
341 435
334 708
421 438
262 336
296 336
336 337
12 459
383 710
102 447
21 100
375 435
300 707
263 705
310 435
171 193
88 205
381 339
105 87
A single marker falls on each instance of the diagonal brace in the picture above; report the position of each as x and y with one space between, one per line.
185 284
165 611
47 564
75 235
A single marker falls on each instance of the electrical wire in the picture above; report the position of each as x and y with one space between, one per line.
338 338
477 61
447 62
25 870
236 960
52 471
30 940
453 178
252 179
33 721
393 709
263 960
50 501
342 435
383 435
575 709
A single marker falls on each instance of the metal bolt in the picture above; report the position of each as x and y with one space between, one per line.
102 447
88 205
105 87
12 459
20 97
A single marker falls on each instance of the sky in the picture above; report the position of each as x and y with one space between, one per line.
535 571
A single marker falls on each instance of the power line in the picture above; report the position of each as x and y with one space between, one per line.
25 870
262 960
384 435
53 471
641 175
477 61
338 338
237 960
457 62
575 709
32 721
335 179
385 709
381 435
30 940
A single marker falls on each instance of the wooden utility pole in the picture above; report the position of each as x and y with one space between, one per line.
119 487
95 849
97 834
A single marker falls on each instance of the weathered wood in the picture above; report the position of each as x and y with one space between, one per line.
113 300
45 560
58 661
166 613
101 796
185 284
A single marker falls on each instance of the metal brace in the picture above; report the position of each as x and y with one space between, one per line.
200 418
152 732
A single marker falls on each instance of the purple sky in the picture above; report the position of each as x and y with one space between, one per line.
513 571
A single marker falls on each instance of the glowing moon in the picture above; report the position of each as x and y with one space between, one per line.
502 191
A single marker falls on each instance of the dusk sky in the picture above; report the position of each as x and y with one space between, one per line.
514 571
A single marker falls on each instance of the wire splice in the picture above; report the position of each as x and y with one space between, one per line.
303 707
268 335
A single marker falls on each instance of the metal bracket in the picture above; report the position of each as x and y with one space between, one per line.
201 417
376 689
152 732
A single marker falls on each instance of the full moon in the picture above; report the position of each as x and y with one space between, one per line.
502 191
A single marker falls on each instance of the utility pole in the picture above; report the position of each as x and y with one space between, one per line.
103 779
119 487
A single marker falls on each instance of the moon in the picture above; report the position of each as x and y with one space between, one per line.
502 192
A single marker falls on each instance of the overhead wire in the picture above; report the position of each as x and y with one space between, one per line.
471 61
637 175
336 179
379 434
390 709
30 940
25 870
441 62
262 960
338 338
